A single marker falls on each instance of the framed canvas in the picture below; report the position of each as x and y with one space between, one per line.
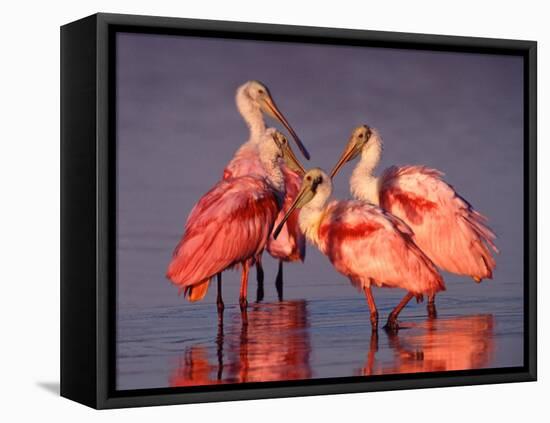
232 228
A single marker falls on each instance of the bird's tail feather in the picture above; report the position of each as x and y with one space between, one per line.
196 292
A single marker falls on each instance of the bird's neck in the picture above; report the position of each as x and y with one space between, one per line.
274 174
364 185
311 217
251 114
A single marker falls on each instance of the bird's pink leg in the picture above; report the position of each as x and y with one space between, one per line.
372 308
244 289
279 281
219 300
392 325
432 312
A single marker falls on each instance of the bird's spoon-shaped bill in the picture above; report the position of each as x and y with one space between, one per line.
305 195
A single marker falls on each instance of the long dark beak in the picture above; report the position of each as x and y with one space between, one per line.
274 111
292 161
348 154
304 196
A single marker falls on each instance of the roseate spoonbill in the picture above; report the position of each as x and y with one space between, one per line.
253 99
230 225
364 243
290 246
446 227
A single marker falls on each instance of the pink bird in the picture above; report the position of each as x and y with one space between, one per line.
364 243
445 226
231 224
253 99
290 246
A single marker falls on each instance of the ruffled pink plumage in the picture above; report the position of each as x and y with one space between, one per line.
290 245
445 226
371 246
229 225
246 161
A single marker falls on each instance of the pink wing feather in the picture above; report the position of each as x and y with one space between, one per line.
230 224
370 246
290 245
446 227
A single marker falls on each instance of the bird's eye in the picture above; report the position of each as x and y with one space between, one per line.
261 92
360 135
308 178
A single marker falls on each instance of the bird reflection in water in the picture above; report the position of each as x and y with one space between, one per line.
436 345
273 346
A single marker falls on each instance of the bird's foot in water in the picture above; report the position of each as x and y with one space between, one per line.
243 303
432 311
374 321
392 325
279 287
260 294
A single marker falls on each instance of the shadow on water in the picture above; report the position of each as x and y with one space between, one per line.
274 345
436 345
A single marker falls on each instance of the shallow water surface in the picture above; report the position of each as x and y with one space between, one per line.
187 345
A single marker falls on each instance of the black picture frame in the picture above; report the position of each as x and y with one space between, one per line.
88 162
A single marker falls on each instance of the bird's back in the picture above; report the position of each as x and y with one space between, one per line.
230 223
446 227
246 161
369 245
